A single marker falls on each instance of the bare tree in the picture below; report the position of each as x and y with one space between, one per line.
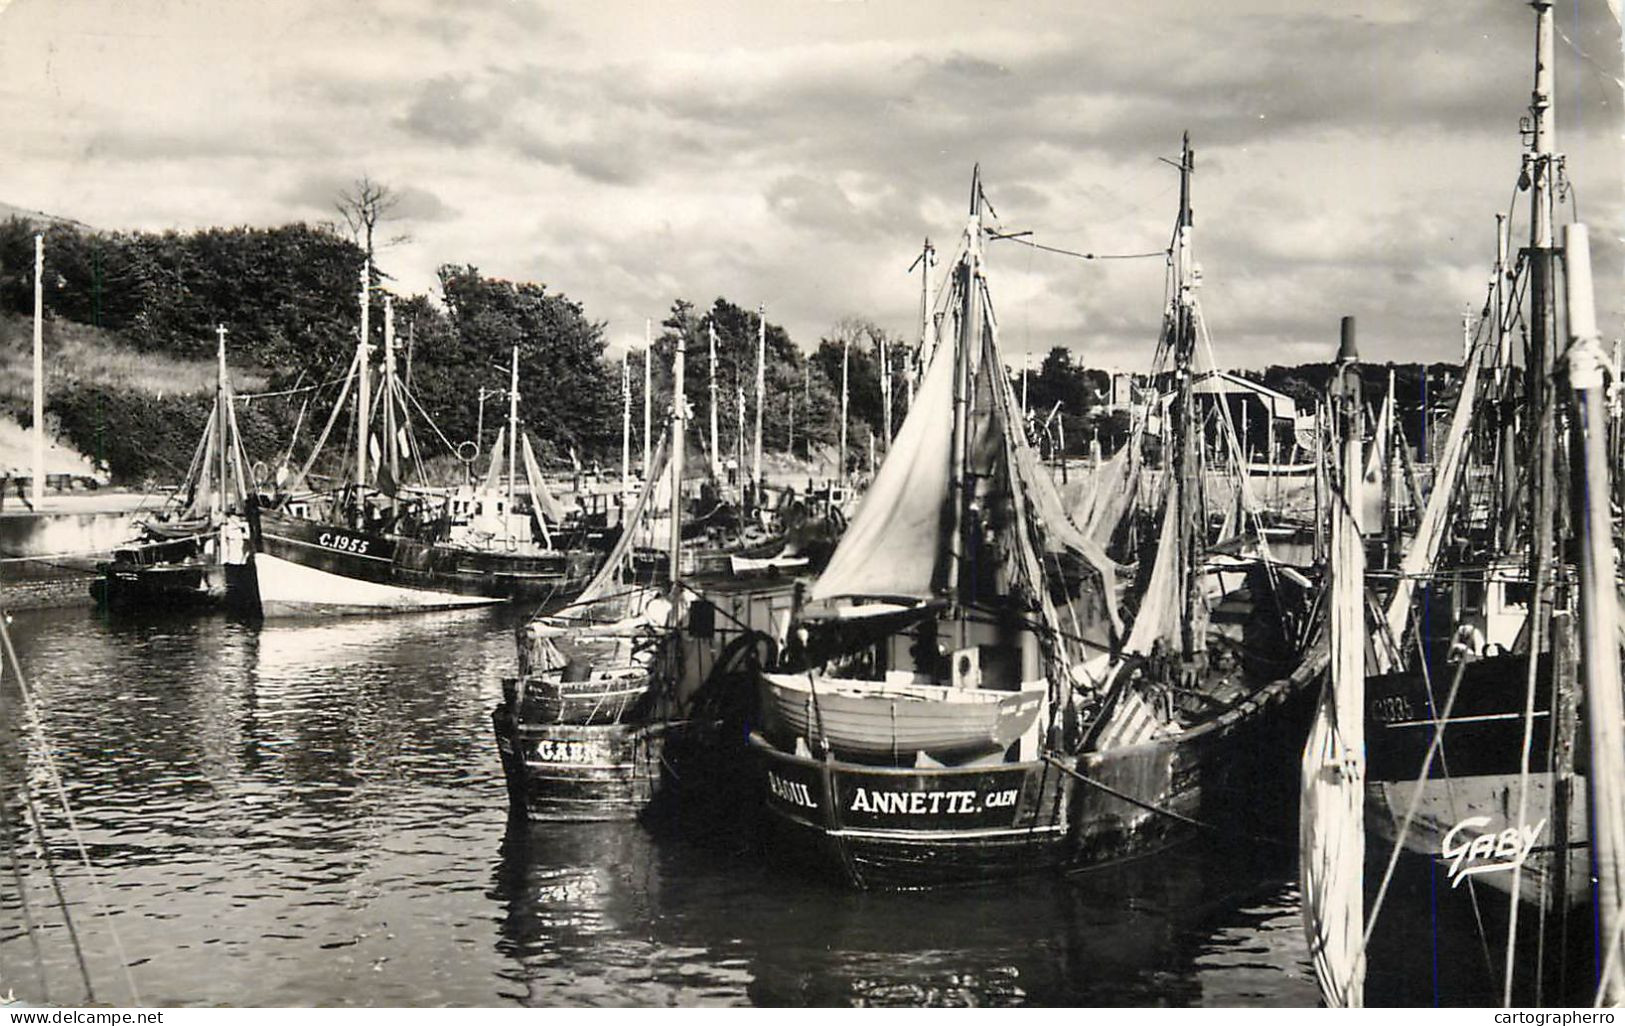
363 205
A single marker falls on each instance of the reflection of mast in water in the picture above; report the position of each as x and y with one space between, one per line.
603 913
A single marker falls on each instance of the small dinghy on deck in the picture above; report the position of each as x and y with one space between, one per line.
888 718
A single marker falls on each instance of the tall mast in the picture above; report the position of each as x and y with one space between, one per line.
362 413
846 345
648 395
513 438
223 417
626 427
1539 167
927 256
885 385
391 446
1508 456
1599 610
1187 460
716 450
761 389
968 313
678 437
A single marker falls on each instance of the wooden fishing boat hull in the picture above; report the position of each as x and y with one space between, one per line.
1467 823
905 828
161 587
579 772
887 721
306 567
917 827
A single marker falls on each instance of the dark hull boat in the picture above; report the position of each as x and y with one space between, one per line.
174 574
193 554
961 702
638 694
672 728
381 546
1470 802
903 827
306 566
1463 806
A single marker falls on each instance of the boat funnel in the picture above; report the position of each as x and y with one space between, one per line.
1347 351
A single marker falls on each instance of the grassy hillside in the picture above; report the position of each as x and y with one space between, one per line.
134 413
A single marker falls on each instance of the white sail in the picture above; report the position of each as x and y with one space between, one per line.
892 547
1331 822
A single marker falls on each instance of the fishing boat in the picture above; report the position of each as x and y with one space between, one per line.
192 554
1479 762
962 699
378 544
640 682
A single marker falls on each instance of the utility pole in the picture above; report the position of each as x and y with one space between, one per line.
37 486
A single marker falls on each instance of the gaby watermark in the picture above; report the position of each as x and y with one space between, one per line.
1470 851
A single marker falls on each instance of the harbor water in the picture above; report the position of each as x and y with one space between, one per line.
313 813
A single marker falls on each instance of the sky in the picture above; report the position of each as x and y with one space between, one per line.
1351 156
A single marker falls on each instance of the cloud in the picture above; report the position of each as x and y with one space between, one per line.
1350 157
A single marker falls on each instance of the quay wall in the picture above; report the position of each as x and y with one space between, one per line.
48 557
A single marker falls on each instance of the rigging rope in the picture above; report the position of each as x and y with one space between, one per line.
1074 253
36 721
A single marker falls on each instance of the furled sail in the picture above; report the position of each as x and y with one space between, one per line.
1158 616
546 504
1424 549
609 575
892 547
493 476
1111 495
1377 485
1331 823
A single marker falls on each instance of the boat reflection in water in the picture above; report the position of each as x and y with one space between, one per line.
611 914
313 813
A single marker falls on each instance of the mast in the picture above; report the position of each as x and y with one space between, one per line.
711 366
513 440
626 427
1508 516
362 414
846 345
959 481
761 389
1539 167
885 385
1187 460
648 396
1599 608
391 444
223 415
37 484
925 260
677 440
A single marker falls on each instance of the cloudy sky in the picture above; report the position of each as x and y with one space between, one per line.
1351 155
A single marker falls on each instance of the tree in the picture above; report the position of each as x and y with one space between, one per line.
569 396
363 205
